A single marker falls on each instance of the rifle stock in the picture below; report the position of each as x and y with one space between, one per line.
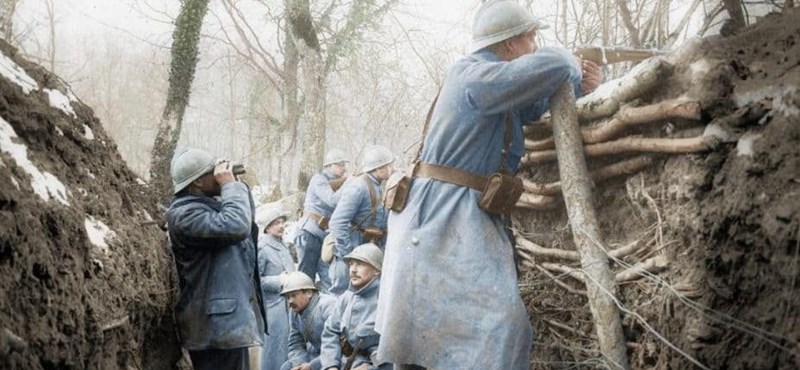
610 55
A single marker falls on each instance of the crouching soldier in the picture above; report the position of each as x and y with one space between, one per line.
321 198
310 310
360 216
349 340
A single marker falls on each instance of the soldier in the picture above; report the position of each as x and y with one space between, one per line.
359 216
219 312
274 265
321 199
444 251
349 332
310 310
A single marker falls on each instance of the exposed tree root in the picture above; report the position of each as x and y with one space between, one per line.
626 167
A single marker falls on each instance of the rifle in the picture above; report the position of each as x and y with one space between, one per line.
610 55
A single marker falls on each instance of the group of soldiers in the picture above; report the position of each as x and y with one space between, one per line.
437 291
329 323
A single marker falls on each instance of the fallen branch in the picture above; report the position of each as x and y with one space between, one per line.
564 270
626 167
539 251
652 265
627 117
625 250
567 328
536 202
559 282
632 144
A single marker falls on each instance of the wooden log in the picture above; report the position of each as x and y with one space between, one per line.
600 286
628 117
626 167
632 144
536 202
537 250
652 265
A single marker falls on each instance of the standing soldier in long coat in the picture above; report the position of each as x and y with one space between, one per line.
449 262
274 264
310 310
321 199
359 216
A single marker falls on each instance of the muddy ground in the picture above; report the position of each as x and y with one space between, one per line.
77 304
727 220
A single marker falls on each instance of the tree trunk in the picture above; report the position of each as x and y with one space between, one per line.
735 11
184 61
7 8
600 285
308 47
291 105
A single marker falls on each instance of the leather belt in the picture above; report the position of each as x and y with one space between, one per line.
450 175
321 220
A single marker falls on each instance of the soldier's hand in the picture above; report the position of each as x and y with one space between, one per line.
592 76
305 366
223 173
364 366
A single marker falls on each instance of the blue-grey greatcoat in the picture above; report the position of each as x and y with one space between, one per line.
320 199
353 316
214 245
449 262
274 259
305 333
353 211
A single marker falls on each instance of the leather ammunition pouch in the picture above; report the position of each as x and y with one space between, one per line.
501 193
373 234
321 220
347 349
396 194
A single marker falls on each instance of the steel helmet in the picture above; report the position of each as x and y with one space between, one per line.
189 164
368 253
376 157
297 281
267 215
500 20
334 156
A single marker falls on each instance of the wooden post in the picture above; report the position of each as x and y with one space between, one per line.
600 284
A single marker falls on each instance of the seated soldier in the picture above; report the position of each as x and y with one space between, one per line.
349 340
310 310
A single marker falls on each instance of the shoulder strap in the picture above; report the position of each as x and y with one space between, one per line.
506 144
373 198
425 128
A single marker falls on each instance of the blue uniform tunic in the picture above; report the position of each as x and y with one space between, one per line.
274 259
353 316
353 211
446 260
305 333
320 199
213 242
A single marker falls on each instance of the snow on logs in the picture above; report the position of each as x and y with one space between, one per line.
610 115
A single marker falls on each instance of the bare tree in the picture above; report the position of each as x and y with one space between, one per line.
7 8
181 74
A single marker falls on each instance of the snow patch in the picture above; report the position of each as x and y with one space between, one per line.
59 132
88 134
783 98
90 174
60 101
140 181
14 73
699 68
44 184
715 130
745 144
99 234
14 181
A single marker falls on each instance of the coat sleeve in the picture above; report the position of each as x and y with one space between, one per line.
269 283
498 87
330 351
204 227
297 345
320 186
345 213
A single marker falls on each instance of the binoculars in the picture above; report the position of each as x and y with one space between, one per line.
238 169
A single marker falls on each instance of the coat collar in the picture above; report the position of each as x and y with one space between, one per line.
485 55
274 242
312 305
370 289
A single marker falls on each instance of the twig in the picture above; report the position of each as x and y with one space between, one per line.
116 323
559 282
652 265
